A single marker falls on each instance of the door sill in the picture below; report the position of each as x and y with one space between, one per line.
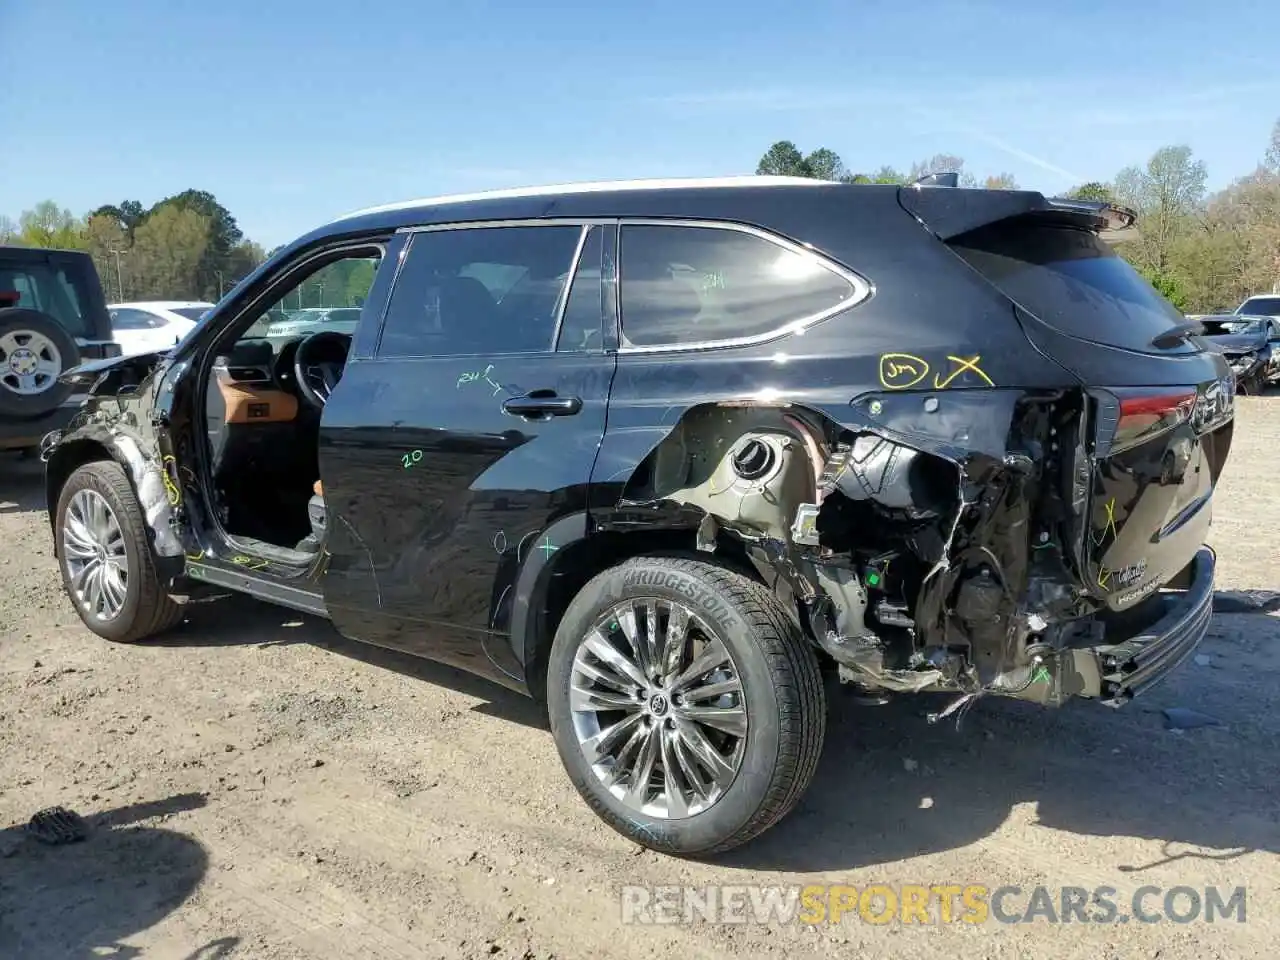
269 590
273 551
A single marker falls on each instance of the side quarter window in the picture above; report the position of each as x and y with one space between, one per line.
694 284
483 290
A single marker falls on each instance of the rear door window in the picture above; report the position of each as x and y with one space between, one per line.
1072 281
697 285
485 290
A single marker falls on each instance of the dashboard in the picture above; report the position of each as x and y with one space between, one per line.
257 381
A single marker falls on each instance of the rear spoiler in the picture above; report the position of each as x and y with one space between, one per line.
948 212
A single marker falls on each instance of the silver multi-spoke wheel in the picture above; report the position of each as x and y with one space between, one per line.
658 708
29 362
93 548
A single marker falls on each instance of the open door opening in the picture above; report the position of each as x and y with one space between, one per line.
264 401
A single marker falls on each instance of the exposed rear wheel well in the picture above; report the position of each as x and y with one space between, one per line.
68 458
577 564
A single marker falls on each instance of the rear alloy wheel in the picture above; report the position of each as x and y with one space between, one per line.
105 555
680 696
685 703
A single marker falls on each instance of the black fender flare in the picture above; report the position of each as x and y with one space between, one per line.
533 581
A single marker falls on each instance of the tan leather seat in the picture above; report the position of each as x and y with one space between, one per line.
319 490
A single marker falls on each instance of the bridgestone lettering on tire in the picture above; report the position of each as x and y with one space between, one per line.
710 701
147 609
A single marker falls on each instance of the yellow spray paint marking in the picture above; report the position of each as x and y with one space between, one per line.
1110 525
171 489
249 563
962 365
898 371
1103 576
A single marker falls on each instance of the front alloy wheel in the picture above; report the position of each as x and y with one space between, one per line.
685 703
93 548
104 550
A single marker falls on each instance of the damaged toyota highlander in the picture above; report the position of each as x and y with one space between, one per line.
669 455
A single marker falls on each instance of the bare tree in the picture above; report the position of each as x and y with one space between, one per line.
1166 194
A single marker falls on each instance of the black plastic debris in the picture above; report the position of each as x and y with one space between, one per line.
57 826
1182 718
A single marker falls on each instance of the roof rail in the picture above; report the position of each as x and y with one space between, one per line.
948 178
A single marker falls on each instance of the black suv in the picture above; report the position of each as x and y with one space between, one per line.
662 454
52 316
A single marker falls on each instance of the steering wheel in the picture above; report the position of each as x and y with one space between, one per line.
318 364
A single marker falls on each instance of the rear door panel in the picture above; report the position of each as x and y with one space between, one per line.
437 495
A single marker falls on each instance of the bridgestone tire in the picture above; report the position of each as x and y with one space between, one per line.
781 686
148 609
28 406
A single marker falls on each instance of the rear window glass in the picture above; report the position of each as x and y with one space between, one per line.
1073 282
50 289
1261 306
1219 327
191 313
128 319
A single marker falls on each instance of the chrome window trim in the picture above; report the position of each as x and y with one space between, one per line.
863 289
509 222
562 302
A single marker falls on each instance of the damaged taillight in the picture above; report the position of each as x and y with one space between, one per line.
1127 417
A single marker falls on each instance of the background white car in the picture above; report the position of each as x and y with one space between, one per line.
315 319
146 326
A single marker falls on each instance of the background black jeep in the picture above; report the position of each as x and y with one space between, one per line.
53 315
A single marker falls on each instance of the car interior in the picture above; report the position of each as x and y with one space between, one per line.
263 406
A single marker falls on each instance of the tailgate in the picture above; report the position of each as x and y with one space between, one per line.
1158 456
1161 401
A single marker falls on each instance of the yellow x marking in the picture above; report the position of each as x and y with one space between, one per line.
1110 525
963 365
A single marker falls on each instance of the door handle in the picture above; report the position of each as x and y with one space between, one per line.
541 405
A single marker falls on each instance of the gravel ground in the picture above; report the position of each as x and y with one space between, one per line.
261 788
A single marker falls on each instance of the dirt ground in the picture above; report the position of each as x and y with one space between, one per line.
261 788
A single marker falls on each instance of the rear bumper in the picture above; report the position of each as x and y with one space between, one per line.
17 434
1117 672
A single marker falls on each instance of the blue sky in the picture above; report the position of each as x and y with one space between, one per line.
293 112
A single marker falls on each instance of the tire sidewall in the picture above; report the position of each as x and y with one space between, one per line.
739 804
90 477
15 319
